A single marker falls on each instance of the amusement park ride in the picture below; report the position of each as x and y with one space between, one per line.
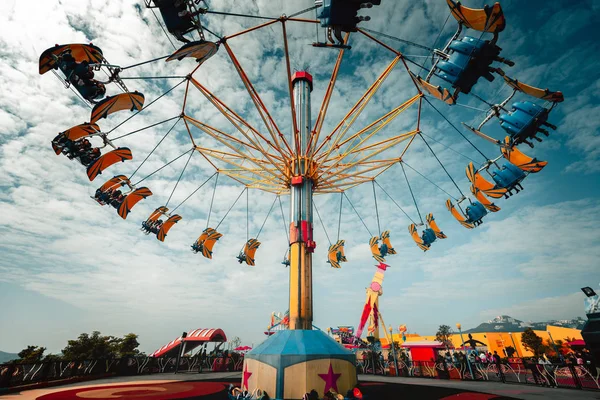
308 160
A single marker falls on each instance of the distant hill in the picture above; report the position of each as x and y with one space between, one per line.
4 357
504 323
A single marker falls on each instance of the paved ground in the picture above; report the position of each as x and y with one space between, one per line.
382 388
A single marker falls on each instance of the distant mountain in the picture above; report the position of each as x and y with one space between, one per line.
4 357
504 323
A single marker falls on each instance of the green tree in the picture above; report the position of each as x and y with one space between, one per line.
510 351
32 354
92 346
532 342
127 346
443 335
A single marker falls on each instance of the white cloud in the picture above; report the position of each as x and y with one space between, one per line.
547 308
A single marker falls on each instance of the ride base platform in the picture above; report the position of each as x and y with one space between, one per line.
293 362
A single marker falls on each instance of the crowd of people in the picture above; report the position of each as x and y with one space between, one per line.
235 393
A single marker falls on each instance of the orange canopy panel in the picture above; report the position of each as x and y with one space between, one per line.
482 184
80 52
108 159
488 19
412 229
544 94
484 200
433 225
157 213
114 183
458 215
521 160
132 199
112 104
200 50
79 131
164 229
194 339
438 92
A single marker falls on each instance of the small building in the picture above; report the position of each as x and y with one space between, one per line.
192 340
424 350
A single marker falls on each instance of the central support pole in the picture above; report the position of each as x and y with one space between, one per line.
301 227
294 362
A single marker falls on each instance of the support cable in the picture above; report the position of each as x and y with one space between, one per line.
411 193
247 215
481 99
265 221
429 180
180 176
440 34
322 224
399 40
153 77
163 29
230 208
340 216
212 33
359 217
442 165
457 130
155 147
147 127
376 209
73 90
212 200
148 105
194 192
397 205
145 62
167 164
285 226
448 147
303 11
239 15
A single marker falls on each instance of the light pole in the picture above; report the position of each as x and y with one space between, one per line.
459 327
514 344
393 351
558 353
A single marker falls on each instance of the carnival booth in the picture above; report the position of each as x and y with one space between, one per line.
190 341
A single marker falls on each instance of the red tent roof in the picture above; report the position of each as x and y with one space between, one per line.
194 339
576 343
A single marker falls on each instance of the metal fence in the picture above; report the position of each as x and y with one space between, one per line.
22 374
516 371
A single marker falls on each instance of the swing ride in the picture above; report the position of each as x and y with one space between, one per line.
299 158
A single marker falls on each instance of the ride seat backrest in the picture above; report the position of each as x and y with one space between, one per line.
522 117
428 236
469 60
475 211
504 177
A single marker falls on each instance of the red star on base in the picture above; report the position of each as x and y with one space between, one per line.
247 376
330 379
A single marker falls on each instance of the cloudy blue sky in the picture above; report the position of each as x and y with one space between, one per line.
70 266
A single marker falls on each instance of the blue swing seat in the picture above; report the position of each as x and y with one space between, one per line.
475 213
470 59
524 122
508 176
